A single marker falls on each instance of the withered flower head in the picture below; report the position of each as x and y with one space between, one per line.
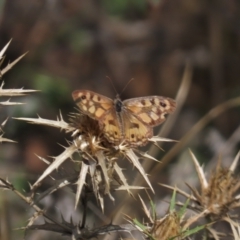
88 137
167 227
171 226
218 196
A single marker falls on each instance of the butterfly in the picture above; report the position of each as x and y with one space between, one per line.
130 121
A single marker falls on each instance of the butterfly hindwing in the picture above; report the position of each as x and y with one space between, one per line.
135 132
111 126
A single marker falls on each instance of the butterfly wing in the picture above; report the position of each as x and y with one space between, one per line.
150 110
135 132
111 127
92 104
140 115
102 109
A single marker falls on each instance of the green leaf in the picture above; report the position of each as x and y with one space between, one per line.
144 228
173 201
182 211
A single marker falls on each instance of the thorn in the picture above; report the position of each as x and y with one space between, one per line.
5 48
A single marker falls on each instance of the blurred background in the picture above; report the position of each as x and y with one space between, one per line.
75 44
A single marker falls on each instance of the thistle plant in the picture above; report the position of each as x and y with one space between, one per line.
218 197
172 225
98 173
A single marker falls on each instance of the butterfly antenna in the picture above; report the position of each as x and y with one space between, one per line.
127 85
110 80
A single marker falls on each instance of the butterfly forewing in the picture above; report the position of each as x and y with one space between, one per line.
150 110
92 104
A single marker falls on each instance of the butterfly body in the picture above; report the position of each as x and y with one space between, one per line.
129 121
118 104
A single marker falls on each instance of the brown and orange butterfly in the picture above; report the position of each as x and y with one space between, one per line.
130 121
